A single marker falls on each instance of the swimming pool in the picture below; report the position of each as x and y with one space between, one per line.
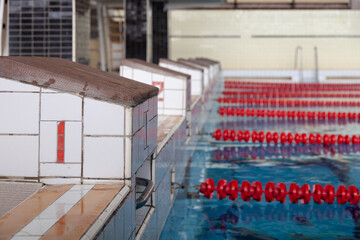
195 217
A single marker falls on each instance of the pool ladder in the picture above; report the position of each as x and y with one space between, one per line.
299 54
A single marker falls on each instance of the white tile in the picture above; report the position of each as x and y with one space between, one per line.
47 90
126 72
73 141
60 106
174 83
173 112
25 238
55 212
102 118
19 113
60 170
142 76
36 227
174 99
15 86
81 188
95 181
157 77
104 157
61 180
48 141
19 156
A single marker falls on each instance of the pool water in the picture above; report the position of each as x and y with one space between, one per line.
195 217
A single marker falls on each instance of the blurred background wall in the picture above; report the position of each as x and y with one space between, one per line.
267 39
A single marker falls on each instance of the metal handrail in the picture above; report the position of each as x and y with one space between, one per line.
297 50
145 195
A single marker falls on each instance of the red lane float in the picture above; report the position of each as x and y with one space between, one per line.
289 88
293 86
229 111
279 192
288 103
274 137
289 94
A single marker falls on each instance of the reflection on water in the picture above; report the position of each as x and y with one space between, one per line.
195 217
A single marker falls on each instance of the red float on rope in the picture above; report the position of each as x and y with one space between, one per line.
285 114
274 137
279 192
287 103
289 94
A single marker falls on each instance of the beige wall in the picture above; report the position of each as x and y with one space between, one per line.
267 39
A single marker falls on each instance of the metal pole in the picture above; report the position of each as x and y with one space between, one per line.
2 5
316 65
102 46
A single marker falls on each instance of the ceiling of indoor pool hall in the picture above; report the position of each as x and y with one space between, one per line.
179 119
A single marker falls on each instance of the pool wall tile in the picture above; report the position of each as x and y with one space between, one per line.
152 135
22 111
129 211
48 141
196 74
163 201
13 150
173 83
120 219
109 231
172 93
56 170
102 118
7 85
60 107
104 151
142 76
126 72
73 142
56 180
181 155
135 119
151 229
163 161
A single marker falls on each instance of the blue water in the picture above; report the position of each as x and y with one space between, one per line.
195 217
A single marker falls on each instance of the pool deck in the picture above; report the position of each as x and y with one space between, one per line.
58 212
